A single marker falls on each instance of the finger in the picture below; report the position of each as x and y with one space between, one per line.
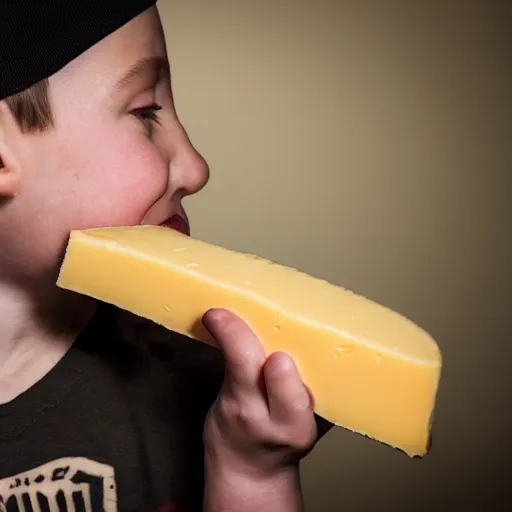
288 398
243 353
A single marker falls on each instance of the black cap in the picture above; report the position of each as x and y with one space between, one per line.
39 37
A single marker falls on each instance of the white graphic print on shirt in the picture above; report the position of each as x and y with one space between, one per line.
64 485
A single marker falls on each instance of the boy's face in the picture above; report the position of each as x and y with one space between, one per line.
106 162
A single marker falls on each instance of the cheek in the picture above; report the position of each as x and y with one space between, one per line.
80 179
118 179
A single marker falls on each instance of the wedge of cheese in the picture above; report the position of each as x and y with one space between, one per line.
369 369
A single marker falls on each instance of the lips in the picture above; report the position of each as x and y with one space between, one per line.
178 223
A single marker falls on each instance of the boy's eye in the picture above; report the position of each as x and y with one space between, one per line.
148 115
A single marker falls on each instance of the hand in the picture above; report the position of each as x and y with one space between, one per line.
262 423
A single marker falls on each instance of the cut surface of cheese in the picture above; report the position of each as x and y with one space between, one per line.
369 369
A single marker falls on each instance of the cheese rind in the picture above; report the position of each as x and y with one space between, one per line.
369 369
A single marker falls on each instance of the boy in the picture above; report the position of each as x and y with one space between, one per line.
94 415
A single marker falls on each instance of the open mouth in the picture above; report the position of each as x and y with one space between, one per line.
178 223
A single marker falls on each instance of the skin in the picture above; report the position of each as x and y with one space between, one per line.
106 164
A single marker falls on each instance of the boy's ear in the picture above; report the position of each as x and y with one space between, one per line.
10 172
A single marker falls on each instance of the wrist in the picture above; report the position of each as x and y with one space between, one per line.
230 488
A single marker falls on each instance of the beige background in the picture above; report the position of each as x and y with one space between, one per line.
364 142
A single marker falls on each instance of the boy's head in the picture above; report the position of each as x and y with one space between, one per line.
96 142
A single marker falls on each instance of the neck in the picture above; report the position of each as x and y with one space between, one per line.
36 330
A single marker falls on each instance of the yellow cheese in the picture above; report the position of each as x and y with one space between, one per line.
369 369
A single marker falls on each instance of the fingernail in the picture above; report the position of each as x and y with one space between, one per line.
311 397
207 318
212 315
284 362
287 361
211 312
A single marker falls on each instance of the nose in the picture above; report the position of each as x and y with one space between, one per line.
189 170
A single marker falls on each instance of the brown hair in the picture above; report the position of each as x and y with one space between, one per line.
32 108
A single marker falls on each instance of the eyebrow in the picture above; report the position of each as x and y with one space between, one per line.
153 67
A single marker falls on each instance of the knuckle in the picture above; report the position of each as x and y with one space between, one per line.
250 420
227 408
245 417
299 438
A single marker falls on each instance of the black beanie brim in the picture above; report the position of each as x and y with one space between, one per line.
38 38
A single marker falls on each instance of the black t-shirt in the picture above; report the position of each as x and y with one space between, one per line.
115 426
